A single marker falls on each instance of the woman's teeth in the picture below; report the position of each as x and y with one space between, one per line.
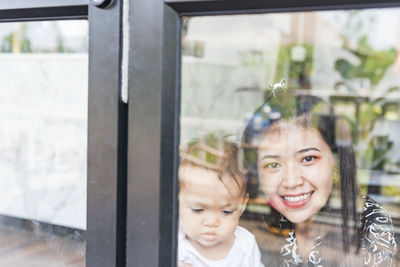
297 198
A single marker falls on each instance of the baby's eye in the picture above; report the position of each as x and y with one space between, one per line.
271 165
308 159
228 212
197 210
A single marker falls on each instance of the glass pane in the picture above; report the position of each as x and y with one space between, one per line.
43 143
289 134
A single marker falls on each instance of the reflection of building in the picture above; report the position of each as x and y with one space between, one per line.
232 59
313 29
302 28
43 148
223 73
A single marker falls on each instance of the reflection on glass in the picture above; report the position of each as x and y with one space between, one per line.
312 100
43 108
212 198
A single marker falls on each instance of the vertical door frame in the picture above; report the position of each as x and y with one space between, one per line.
106 160
106 194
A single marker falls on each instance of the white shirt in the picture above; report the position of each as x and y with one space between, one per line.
244 252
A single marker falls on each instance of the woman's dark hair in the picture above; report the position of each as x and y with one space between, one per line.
310 112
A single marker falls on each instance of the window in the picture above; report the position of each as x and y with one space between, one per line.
61 147
44 141
243 77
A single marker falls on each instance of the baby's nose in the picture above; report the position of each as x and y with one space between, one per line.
211 220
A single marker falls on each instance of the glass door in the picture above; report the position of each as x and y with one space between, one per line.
60 142
44 142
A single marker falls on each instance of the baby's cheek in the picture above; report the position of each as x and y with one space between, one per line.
230 226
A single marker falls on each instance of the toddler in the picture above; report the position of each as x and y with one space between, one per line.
211 200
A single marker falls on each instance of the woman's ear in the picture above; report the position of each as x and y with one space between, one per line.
243 207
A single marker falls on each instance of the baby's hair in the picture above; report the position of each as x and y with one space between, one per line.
220 158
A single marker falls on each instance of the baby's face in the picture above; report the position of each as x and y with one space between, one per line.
209 213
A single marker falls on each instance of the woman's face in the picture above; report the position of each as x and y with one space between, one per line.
296 171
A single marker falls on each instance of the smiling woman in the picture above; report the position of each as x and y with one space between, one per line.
297 155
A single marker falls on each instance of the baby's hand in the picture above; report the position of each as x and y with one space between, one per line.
182 264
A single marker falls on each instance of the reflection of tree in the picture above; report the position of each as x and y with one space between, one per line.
356 24
16 42
373 63
372 66
185 26
296 72
60 42
209 146
19 42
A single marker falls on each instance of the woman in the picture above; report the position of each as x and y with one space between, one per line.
297 149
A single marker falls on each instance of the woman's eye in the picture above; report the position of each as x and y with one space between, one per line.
228 212
197 210
271 165
308 159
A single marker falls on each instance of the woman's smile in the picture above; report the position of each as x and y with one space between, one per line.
296 201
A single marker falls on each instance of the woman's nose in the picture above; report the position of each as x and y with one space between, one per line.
292 176
211 220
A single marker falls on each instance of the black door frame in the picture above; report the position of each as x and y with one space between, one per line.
106 160
28 10
154 101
